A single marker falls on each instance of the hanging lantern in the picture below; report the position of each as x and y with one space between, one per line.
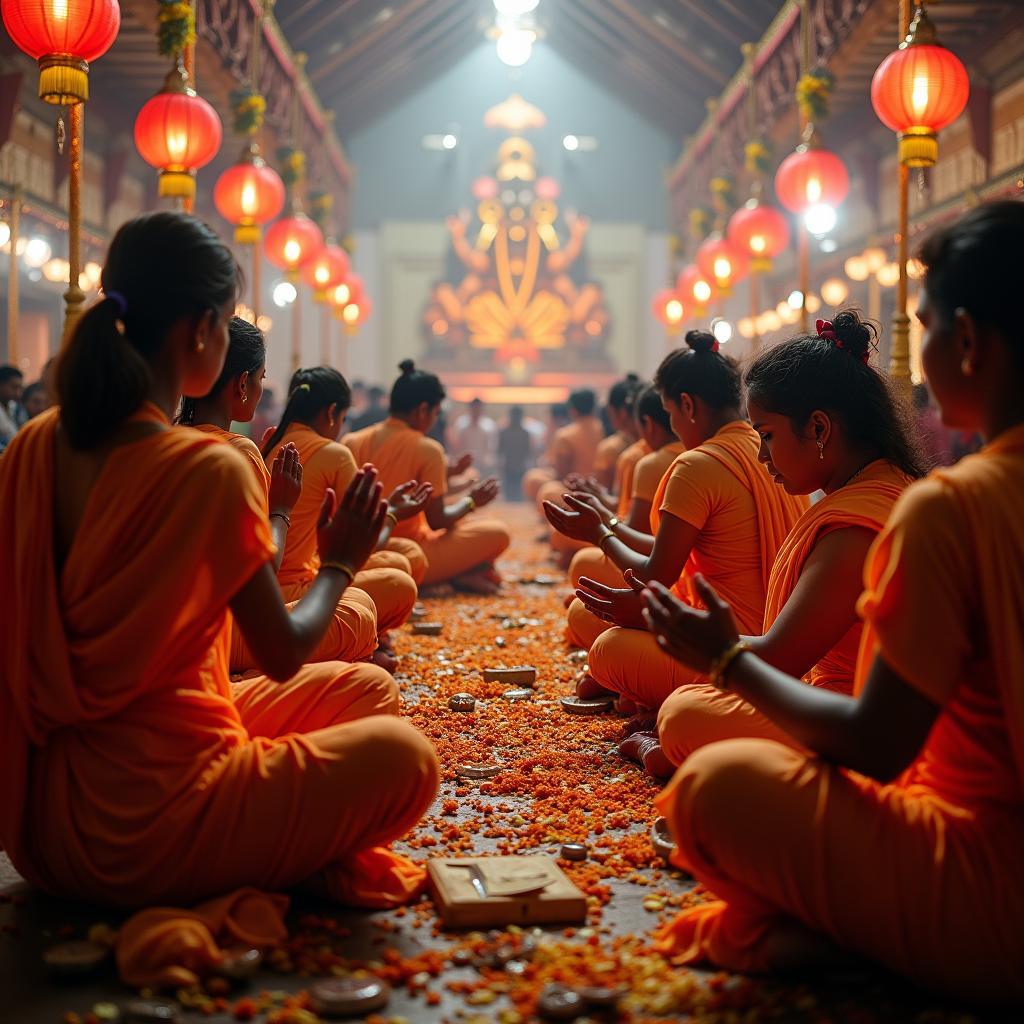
811 177
248 195
355 314
759 231
918 90
339 297
177 132
326 270
694 289
721 262
356 291
64 37
667 309
292 242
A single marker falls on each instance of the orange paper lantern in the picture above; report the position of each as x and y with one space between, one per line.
292 242
918 90
811 176
721 262
248 195
65 37
177 132
759 231
667 308
694 288
327 269
355 314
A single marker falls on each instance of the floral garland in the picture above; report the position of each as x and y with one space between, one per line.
722 193
320 206
247 108
293 165
813 94
757 157
176 29
700 222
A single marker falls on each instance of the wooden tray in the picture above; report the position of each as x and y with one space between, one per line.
460 905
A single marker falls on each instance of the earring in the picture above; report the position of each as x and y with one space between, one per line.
966 368
200 345
245 399
821 449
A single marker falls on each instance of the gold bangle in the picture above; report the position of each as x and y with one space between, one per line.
604 536
724 662
391 515
470 503
339 567
281 515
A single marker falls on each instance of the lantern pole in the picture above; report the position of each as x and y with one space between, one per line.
13 279
74 297
802 234
325 335
257 278
899 356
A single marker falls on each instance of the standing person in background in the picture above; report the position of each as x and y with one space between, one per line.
35 400
375 411
476 434
514 445
11 418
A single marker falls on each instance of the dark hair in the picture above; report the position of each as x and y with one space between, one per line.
622 392
413 388
701 371
515 414
375 393
809 372
310 391
559 411
648 403
8 372
974 264
583 401
160 267
247 352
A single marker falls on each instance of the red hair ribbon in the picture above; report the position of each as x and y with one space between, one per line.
826 330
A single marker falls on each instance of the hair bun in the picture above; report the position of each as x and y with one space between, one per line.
701 341
632 378
854 335
407 366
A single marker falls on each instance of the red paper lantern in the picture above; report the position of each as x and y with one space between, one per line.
667 308
327 269
248 195
177 132
65 37
761 232
355 314
918 90
694 288
811 176
722 262
356 291
292 242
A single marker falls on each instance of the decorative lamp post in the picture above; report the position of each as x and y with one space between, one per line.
64 37
916 91
177 132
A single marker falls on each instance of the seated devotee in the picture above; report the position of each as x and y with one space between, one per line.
658 448
514 447
619 410
716 511
572 448
459 549
11 413
374 412
898 838
828 422
131 771
318 399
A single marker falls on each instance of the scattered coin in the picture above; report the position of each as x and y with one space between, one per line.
152 1011
427 628
240 963
574 851
462 702
75 958
521 675
478 771
661 839
601 998
349 997
419 611
557 1002
586 706
518 694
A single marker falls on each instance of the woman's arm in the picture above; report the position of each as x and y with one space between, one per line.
879 733
639 519
285 489
404 502
281 641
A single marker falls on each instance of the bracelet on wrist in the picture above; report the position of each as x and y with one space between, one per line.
470 503
613 522
341 567
283 516
724 662
391 515
605 535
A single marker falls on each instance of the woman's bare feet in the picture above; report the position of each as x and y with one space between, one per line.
588 688
645 749
383 659
642 721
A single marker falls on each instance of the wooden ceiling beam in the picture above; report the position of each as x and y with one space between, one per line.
699 10
332 11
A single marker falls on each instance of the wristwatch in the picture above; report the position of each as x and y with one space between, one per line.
613 522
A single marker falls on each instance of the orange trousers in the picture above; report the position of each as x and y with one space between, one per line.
893 873
694 716
408 550
469 543
589 561
630 662
583 627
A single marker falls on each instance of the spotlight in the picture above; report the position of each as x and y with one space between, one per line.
515 46
856 268
888 274
56 270
449 141
284 294
515 8
721 329
571 143
796 299
820 219
37 252
834 291
5 232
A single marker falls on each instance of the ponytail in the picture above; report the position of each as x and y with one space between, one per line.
310 391
160 268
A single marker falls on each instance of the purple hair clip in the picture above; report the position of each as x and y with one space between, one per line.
120 301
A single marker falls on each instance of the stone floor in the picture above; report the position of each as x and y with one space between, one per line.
563 781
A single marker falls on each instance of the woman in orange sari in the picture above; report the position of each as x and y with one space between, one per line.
459 549
900 838
318 401
828 422
716 512
130 770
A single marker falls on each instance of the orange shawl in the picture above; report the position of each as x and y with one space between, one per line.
864 503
